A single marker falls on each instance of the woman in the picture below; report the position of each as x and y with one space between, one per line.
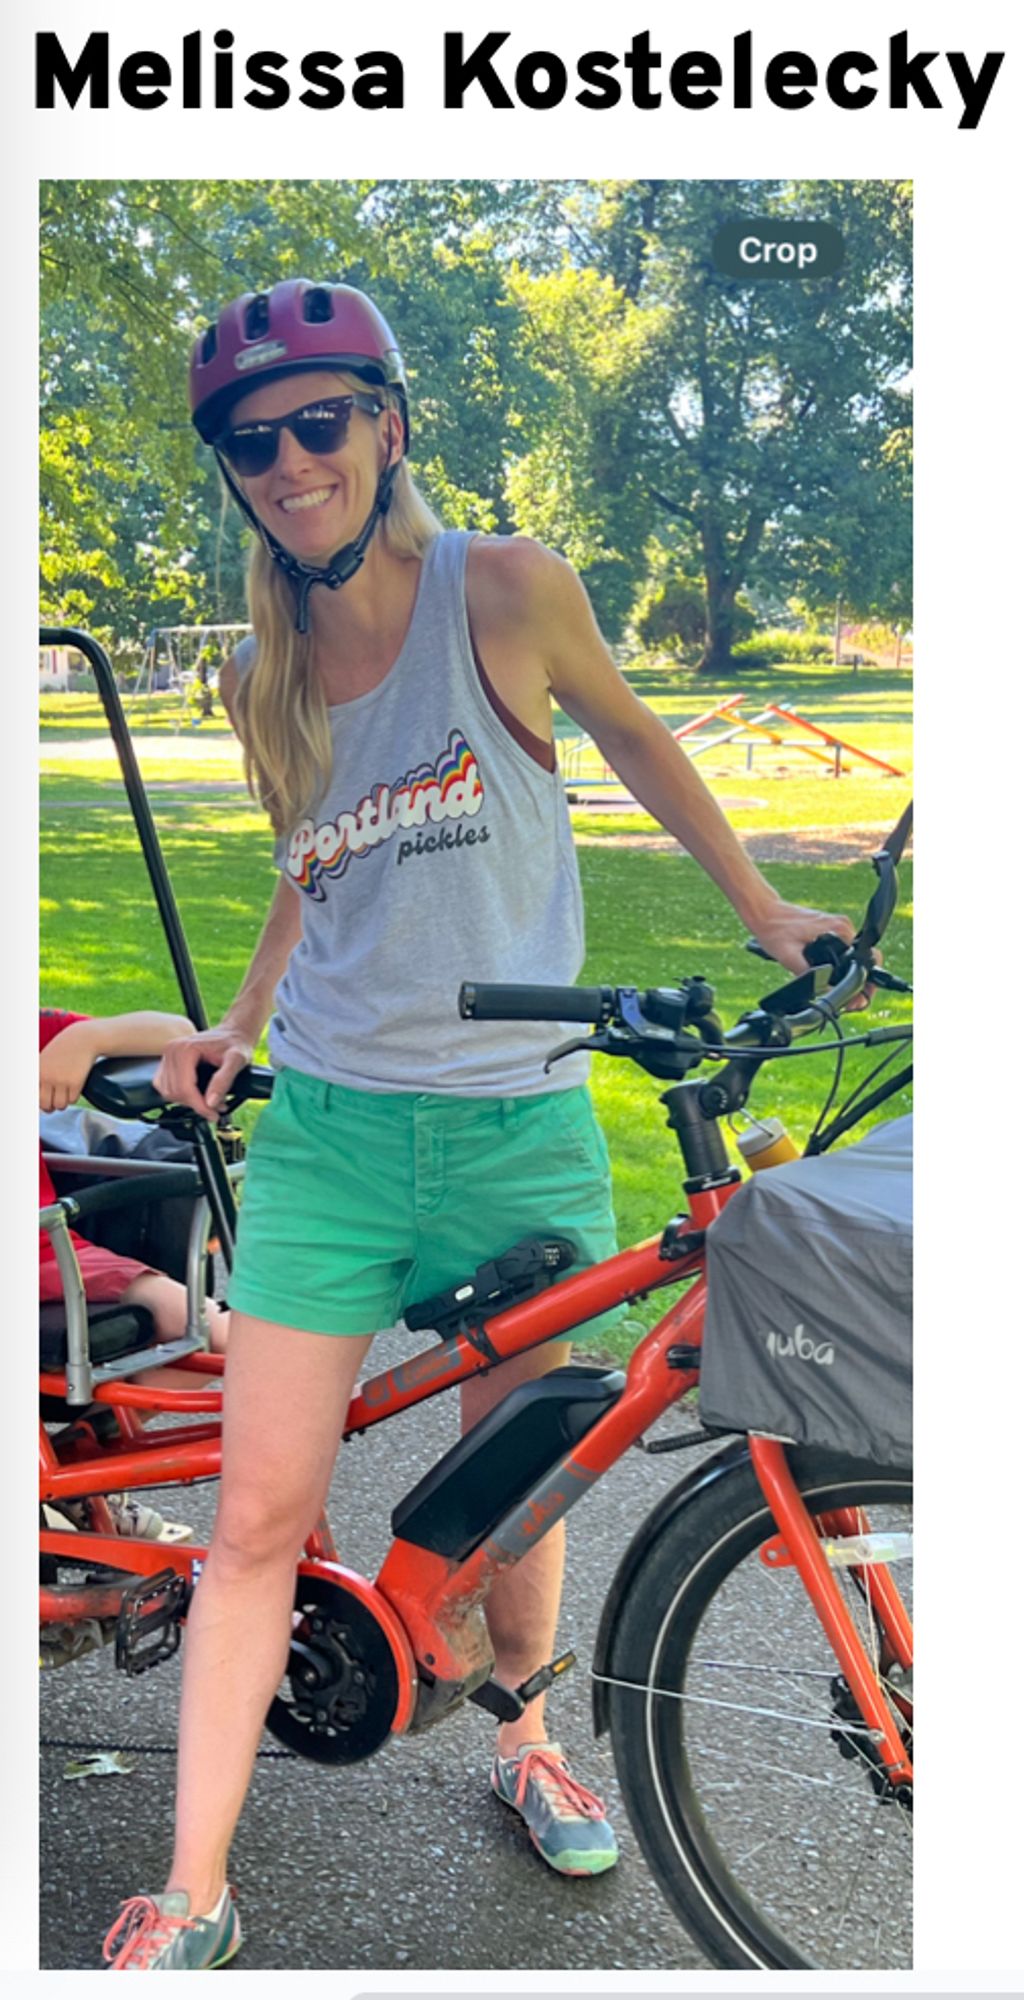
395 709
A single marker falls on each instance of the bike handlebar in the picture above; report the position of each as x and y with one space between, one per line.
595 1004
656 1027
122 1086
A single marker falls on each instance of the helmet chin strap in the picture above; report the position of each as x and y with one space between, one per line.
343 564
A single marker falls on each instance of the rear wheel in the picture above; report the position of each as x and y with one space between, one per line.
758 1800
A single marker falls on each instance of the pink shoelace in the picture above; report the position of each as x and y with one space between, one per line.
146 1929
567 1798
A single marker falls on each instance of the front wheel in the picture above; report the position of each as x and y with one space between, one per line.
753 1792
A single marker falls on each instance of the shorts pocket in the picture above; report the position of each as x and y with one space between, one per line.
577 1130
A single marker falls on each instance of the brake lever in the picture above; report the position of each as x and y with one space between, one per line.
880 976
587 1042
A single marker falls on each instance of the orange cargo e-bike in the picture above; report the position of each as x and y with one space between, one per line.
754 1659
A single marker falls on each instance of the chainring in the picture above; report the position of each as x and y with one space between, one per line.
340 1693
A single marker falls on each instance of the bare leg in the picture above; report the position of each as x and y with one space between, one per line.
522 1608
167 1300
286 1395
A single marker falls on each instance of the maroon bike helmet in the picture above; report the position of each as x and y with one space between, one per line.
295 328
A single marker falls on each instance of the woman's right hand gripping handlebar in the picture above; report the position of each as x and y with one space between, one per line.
225 1047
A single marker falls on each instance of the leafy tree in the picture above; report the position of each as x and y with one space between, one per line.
671 610
751 416
578 370
132 529
865 559
588 345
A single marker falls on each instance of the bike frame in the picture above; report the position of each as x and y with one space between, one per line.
429 1606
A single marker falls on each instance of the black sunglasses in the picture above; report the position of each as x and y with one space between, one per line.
319 427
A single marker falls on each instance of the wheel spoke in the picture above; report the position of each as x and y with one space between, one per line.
754 1710
858 1871
758 1791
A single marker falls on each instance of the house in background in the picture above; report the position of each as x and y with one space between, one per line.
56 666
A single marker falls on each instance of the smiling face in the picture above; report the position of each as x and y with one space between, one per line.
313 503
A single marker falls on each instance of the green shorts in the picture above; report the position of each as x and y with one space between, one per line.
358 1203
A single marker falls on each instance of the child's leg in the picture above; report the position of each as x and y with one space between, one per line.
167 1300
110 1279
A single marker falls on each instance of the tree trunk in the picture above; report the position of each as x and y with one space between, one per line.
720 586
725 570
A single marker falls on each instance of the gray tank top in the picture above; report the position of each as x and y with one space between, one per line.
440 852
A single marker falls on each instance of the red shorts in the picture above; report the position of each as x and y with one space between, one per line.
106 1276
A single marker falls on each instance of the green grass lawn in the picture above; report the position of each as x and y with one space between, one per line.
783 788
652 917
73 716
768 805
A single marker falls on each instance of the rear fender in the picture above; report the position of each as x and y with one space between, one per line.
735 1455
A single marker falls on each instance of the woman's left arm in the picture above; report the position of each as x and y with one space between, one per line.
584 680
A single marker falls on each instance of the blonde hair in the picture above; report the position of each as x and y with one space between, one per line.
282 713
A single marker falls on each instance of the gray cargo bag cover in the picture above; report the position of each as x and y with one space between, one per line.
808 1328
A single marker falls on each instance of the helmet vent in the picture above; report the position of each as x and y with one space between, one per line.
317 306
257 317
209 345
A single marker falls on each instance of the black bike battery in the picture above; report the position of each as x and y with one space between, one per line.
483 1477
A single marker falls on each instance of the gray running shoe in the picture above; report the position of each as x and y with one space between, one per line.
566 1823
157 1934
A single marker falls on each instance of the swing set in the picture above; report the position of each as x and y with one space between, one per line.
178 657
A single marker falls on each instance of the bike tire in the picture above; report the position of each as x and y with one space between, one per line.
777 1850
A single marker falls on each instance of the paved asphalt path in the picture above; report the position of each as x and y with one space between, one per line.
403 1862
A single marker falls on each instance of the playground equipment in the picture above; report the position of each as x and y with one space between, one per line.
752 728
175 655
745 731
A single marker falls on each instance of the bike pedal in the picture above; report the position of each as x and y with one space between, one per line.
544 1676
506 1703
149 1622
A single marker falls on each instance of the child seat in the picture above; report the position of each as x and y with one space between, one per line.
96 1343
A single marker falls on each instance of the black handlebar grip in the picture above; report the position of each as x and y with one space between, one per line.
535 1003
826 949
122 1086
255 1081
